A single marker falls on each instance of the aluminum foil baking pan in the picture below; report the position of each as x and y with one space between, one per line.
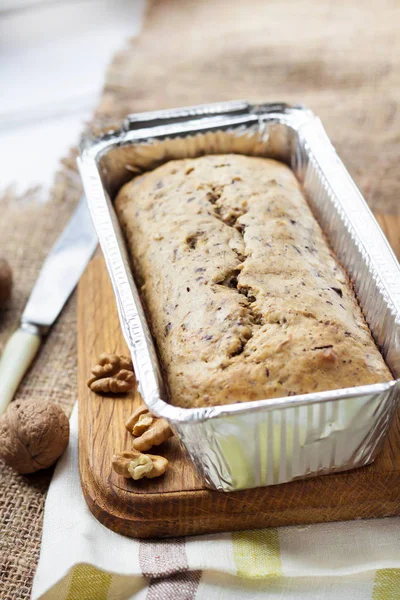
268 441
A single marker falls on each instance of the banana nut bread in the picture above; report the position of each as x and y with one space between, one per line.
245 299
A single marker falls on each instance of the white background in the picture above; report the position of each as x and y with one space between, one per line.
53 56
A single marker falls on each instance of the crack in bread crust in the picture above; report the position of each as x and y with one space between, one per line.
232 279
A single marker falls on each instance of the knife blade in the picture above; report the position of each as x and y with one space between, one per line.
57 279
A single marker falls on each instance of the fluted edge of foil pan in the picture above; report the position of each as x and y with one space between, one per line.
262 442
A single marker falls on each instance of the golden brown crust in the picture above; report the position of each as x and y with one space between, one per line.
245 298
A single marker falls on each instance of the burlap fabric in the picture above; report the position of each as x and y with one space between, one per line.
341 59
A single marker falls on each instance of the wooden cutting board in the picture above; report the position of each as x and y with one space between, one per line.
177 503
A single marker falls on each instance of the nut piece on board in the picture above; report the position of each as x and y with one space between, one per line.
142 424
136 465
33 434
149 430
112 374
135 416
158 432
140 466
5 280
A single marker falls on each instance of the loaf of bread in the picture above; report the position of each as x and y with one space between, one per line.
244 297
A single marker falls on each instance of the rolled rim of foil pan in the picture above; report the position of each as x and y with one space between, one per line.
267 405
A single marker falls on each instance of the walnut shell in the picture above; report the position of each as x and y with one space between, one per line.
5 280
33 434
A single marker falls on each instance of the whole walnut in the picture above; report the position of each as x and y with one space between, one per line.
33 434
5 280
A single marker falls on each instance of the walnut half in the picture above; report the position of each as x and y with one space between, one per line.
113 374
148 430
135 465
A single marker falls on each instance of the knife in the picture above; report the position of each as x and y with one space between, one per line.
57 279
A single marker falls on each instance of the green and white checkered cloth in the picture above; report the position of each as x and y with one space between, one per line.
81 560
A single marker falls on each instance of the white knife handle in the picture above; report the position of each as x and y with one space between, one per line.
17 356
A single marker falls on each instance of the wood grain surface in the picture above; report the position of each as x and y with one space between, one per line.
177 503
